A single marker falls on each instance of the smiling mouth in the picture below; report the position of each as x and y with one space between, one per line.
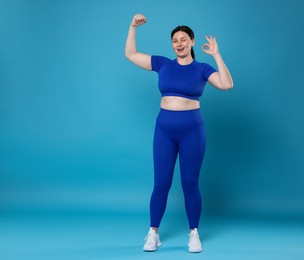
180 49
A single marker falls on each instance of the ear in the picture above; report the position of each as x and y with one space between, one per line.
193 42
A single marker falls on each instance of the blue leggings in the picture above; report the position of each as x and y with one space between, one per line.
183 133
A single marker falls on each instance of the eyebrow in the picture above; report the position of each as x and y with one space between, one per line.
184 37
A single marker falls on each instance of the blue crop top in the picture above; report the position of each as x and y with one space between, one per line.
181 80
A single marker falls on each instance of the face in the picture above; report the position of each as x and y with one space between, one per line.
181 44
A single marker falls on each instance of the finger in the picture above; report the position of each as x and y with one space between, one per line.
207 38
204 50
139 18
206 47
140 15
136 18
212 39
140 21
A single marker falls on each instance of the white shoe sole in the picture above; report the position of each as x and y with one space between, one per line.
152 249
195 250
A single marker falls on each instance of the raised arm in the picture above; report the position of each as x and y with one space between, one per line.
221 79
140 59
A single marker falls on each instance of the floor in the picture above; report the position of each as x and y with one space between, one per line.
100 235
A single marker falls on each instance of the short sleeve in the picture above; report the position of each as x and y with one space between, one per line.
157 62
207 71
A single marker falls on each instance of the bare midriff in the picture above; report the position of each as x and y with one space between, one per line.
178 103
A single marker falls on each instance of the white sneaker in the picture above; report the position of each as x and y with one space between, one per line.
152 241
195 245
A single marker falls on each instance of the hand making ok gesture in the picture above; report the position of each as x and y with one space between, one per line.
211 47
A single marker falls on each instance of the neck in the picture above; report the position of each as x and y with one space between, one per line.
185 60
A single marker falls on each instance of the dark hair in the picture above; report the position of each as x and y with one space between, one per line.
186 29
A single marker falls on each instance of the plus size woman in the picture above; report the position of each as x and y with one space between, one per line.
179 128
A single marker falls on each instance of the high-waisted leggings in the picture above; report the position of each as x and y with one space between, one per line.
178 133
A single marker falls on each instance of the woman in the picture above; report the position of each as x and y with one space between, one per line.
179 126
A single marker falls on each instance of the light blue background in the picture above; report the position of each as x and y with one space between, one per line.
77 118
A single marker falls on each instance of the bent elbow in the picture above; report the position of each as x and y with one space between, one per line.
127 55
227 86
230 87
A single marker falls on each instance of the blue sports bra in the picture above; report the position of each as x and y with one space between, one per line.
181 80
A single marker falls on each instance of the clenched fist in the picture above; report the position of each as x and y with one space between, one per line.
138 19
